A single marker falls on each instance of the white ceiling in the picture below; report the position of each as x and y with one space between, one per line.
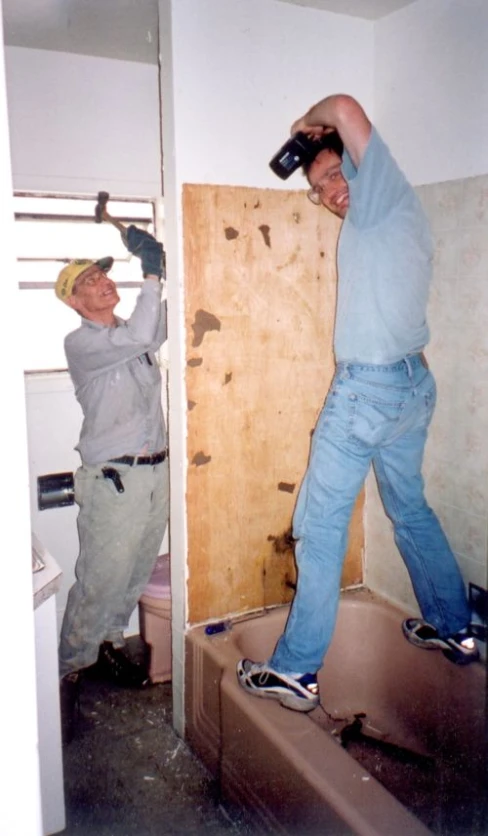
123 28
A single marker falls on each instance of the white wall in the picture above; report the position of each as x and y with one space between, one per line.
240 72
82 125
244 70
53 429
431 83
235 75
456 460
20 800
78 125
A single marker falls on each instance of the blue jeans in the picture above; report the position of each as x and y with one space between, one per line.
373 415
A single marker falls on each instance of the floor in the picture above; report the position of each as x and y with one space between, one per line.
127 773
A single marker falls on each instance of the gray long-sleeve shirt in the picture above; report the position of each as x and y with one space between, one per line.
117 380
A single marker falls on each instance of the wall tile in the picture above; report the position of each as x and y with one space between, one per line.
474 206
456 458
466 532
472 260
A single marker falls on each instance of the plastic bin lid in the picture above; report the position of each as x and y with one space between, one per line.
159 583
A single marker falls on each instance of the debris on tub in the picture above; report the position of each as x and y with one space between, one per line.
353 733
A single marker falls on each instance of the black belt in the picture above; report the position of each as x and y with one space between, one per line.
154 458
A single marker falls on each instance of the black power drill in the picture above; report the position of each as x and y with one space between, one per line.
300 150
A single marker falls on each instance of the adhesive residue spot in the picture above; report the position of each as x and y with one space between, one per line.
204 321
287 487
283 542
200 459
264 230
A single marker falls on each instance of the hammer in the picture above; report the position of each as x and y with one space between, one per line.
101 213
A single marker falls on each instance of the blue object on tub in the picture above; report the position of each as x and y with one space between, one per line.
218 627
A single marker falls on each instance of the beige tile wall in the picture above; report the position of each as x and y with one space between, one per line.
456 460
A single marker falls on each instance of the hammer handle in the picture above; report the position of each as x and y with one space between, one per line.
106 217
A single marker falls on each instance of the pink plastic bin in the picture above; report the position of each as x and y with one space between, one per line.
155 619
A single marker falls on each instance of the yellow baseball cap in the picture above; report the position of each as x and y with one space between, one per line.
68 275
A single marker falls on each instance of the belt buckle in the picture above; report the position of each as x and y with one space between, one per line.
149 459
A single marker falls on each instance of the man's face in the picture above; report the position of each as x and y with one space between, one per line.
94 294
328 184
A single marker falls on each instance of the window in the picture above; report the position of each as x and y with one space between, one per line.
51 231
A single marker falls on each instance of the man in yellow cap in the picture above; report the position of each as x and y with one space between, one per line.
122 485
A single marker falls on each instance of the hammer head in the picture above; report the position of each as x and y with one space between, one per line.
101 206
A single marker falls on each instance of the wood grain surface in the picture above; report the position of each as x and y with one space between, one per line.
260 290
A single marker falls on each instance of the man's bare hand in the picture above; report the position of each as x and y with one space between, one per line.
301 125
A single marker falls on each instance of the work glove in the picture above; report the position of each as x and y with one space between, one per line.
151 252
153 259
134 238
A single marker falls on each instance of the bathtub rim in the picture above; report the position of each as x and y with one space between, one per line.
376 811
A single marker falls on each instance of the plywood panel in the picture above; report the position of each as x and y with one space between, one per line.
260 299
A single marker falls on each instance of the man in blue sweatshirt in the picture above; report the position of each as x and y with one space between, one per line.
377 411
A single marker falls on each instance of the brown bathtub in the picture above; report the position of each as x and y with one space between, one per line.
417 765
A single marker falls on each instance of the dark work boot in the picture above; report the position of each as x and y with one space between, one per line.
69 700
114 664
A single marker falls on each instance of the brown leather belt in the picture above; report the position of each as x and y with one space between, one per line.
154 458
